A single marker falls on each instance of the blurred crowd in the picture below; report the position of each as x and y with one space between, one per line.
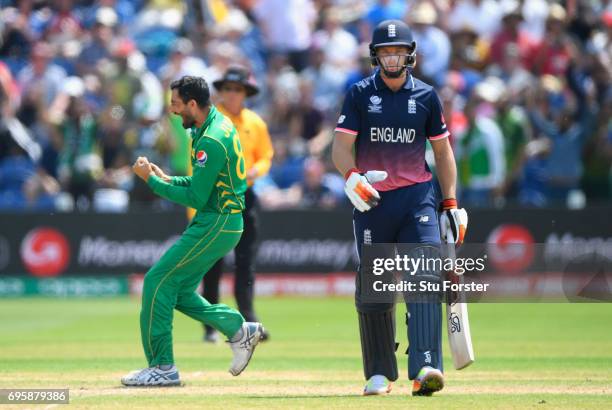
525 87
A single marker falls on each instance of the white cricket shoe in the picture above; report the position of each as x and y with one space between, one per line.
377 385
243 349
152 376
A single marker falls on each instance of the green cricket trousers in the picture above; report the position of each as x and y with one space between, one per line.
171 284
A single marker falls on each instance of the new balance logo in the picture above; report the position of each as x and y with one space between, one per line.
428 357
424 219
391 30
367 237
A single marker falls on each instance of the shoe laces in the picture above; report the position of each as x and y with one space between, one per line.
142 372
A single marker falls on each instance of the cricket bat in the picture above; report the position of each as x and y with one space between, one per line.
458 324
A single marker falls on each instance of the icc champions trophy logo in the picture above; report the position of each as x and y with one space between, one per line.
45 252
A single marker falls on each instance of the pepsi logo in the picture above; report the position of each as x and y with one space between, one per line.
201 157
510 248
45 252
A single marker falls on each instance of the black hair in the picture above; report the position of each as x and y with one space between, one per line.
192 88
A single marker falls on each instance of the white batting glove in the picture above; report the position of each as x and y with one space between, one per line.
453 222
358 188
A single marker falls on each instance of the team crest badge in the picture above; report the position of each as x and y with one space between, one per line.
201 158
412 107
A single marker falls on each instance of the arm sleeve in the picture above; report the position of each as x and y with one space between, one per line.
181 181
204 177
348 121
263 151
436 126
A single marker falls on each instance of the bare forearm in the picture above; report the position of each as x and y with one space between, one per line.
343 157
447 173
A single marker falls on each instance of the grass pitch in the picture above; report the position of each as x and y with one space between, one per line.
541 356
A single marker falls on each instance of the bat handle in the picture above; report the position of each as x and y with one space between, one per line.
450 239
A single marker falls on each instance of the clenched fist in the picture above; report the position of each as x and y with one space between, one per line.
142 168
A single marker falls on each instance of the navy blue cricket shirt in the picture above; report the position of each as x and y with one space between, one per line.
392 128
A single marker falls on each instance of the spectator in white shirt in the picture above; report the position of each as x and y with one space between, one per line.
287 27
340 46
433 45
483 15
181 62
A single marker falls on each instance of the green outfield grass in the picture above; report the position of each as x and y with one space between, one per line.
543 356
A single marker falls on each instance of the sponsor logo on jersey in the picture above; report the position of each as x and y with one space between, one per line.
375 105
341 119
201 158
363 83
389 134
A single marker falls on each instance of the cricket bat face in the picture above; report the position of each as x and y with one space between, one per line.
459 336
457 321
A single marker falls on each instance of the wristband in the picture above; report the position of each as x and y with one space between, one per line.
350 171
449 203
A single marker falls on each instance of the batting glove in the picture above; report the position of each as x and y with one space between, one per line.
358 188
453 222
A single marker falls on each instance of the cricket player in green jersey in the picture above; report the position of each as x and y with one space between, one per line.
216 190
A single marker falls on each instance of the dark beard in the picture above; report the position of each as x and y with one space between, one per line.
188 123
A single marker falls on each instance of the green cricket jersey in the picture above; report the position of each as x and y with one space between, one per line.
218 182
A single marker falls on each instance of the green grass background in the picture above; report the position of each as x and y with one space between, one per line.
543 356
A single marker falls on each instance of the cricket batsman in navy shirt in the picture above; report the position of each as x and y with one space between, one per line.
379 147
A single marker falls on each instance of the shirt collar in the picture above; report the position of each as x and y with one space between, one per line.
379 83
197 131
